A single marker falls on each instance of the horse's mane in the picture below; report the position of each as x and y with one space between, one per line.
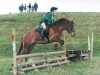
60 20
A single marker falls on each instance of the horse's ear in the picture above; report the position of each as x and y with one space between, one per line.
72 21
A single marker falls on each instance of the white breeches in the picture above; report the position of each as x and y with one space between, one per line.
43 25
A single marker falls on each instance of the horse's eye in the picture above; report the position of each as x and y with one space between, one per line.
71 26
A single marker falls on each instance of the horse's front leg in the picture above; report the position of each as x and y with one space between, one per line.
61 42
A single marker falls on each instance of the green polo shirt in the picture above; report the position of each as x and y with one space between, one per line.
48 18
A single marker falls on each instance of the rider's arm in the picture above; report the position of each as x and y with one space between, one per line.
50 18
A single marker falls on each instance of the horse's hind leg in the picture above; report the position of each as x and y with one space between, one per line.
30 49
19 51
25 49
21 46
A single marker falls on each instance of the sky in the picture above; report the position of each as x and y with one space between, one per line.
12 6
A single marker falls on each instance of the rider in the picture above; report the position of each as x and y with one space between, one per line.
47 18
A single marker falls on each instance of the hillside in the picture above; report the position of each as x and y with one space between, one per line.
85 24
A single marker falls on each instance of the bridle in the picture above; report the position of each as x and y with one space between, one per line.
71 26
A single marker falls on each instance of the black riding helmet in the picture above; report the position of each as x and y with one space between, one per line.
53 8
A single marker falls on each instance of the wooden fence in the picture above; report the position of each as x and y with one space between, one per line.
46 60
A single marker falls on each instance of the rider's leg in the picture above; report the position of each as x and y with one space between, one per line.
42 31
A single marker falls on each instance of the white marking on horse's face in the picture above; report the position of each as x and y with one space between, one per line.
72 34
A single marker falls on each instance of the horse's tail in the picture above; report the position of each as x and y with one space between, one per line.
20 48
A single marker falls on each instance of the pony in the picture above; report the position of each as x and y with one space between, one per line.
32 37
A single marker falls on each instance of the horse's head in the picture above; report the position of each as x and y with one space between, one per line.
71 28
66 24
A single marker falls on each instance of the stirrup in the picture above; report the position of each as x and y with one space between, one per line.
42 37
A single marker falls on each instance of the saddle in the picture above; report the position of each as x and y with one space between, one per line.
38 29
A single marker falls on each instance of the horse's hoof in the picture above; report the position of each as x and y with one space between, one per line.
56 45
12 64
10 69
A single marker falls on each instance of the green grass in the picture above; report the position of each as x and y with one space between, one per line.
85 24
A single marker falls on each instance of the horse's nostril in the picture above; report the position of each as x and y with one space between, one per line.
73 34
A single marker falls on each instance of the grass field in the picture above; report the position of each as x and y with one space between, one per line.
85 24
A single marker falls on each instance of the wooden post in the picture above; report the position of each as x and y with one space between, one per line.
89 48
88 42
14 52
92 46
64 42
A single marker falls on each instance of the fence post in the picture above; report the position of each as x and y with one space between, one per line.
14 52
91 45
64 47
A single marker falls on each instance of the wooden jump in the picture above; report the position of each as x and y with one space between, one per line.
46 65
80 54
39 54
44 59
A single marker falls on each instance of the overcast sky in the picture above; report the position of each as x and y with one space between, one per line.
12 6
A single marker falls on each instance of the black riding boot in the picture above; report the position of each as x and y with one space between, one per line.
42 34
